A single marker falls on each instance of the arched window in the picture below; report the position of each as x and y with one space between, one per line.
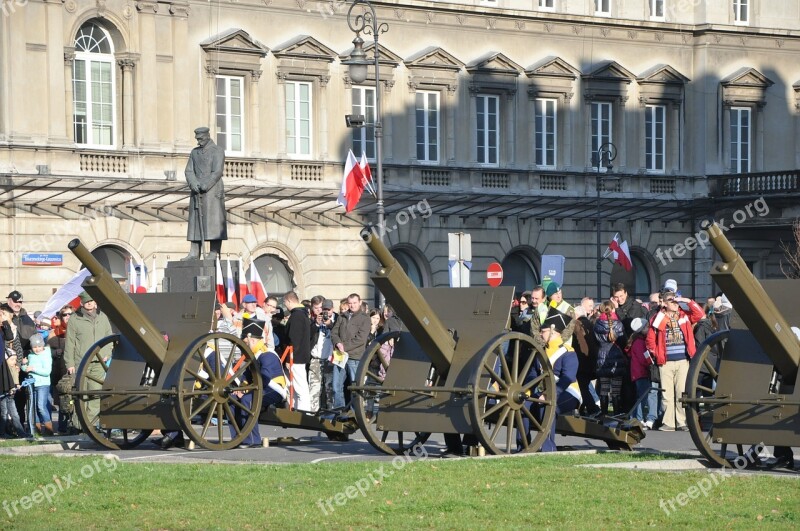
275 275
410 266
644 286
93 87
519 271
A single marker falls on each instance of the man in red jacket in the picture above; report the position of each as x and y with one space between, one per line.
670 339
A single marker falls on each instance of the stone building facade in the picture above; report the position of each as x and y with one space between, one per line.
493 112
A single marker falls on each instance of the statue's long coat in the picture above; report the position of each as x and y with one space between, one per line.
205 168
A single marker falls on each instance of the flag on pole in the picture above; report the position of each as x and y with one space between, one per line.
622 254
352 184
256 286
366 173
230 287
141 286
242 283
153 277
65 294
131 276
220 285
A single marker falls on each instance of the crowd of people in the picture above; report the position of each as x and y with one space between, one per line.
631 357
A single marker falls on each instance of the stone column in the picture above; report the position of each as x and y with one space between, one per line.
568 131
58 131
531 119
388 120
211 101
183 80
148 78
510 130
411 130
641 126
254 120
281 129
674 127
128 140
726 137
452 102
69 58
622 152
323 119
473 124
757 138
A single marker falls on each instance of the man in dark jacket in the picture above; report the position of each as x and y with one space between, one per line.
207 203
298 336
350 334
627 310
25 328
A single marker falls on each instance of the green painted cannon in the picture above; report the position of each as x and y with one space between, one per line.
741 390
459 371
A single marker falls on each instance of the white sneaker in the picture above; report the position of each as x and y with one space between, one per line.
649 424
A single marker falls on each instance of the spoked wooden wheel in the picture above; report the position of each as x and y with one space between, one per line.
513 402
90 377
210 387
366 403
701 383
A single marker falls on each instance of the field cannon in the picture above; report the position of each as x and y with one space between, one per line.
158 372
741 390
458 370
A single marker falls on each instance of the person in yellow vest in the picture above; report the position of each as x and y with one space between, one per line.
565 368
555 299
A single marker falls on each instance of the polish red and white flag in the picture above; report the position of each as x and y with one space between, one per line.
220 285
366 173
352 184
256 286
133 281
622 255
230 287
242 283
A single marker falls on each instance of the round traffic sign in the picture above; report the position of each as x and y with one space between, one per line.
494 274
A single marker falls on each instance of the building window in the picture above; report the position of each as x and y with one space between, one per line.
657 9
488 128
602 7
364 137
93 87
298 118
546 132
601 126
740 139
741 11
654 138
427 112
229 113
547 5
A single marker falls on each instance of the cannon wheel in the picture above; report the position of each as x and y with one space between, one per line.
206 389
366 408
114 439
699 416
500 402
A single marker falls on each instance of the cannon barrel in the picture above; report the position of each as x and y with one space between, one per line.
754 306
122 311
409 304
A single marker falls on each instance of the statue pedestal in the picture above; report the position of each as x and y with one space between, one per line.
189 276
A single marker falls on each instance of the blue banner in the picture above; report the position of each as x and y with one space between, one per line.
552 269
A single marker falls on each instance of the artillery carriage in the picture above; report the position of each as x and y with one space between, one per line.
741 389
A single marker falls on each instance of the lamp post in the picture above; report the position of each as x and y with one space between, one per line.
367 22
603 158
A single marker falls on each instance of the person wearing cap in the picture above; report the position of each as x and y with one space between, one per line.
25 326
565 369
38 364
86 327
298 336
321 351
670 340
273 380
722 312
251 310
207 203
641 361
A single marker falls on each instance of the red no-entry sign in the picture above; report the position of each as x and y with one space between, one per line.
494 274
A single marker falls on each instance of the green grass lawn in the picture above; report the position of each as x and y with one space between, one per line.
539 492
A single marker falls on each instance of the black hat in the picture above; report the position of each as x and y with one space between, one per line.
253 328
327 304
556 319
15 296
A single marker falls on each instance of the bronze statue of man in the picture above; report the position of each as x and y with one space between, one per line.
207 219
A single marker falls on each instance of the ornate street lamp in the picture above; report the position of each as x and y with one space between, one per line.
604 156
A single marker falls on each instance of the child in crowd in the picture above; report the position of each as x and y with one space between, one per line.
39 364
640 373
